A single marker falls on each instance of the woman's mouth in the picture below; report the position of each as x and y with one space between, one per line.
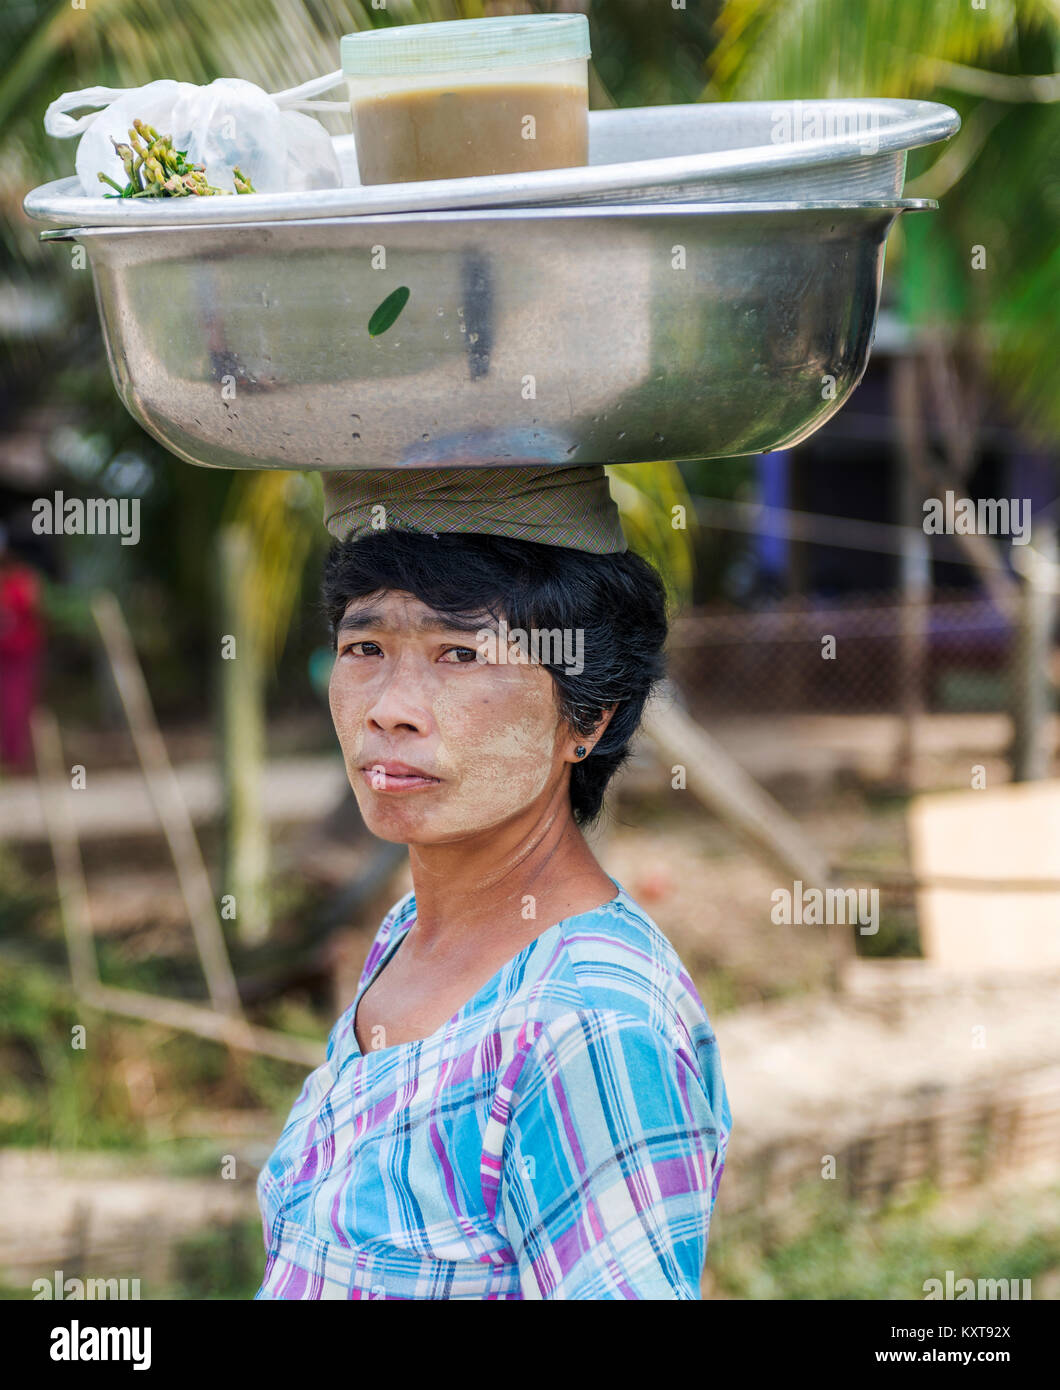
383 777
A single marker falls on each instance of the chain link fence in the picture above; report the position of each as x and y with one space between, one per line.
861 654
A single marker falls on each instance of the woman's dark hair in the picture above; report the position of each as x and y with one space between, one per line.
618 601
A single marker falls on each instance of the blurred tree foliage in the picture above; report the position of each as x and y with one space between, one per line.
998 180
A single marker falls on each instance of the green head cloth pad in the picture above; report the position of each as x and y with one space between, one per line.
563 506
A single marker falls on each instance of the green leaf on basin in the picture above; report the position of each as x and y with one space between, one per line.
388 311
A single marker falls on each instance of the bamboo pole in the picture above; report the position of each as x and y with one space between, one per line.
242 720
722 785
169 804
914 567
62 835
981 552
718 781
1032 694
235 1033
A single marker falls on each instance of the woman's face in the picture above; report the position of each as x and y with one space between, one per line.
488 731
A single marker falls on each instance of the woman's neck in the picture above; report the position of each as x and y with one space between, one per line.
508 883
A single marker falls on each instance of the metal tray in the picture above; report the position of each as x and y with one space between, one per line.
785 151
612 334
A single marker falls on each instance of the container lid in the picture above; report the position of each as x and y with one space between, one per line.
455 45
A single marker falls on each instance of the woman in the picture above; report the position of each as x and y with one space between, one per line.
525 1098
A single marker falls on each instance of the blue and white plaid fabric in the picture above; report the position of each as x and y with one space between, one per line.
562 1136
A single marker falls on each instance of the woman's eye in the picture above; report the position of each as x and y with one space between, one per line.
469 653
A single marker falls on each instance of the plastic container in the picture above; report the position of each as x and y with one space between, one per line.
469 97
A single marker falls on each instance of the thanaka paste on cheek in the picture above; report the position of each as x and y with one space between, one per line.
500 747
495 744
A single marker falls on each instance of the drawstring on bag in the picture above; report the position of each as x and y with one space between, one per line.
226 123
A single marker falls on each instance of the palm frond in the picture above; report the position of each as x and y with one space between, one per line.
282 514
998 180
648 496
787 49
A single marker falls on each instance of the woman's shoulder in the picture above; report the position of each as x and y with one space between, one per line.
616 1000
620 962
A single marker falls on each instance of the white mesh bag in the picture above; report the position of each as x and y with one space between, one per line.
227 123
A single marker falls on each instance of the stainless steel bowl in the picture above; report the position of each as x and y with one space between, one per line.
737 152
588 335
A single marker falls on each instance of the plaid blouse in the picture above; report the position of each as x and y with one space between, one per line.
562 1136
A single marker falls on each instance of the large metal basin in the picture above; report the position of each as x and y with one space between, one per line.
740 151
588 335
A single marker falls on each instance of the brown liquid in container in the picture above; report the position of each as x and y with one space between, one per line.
464 132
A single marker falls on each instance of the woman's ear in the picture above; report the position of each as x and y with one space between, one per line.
590 741
605 719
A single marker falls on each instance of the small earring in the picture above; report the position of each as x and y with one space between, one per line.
579 752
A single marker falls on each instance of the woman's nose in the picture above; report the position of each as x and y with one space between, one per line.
399 700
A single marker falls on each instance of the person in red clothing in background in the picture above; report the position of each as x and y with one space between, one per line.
21 641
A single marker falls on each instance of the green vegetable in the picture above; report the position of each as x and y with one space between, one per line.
156 170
